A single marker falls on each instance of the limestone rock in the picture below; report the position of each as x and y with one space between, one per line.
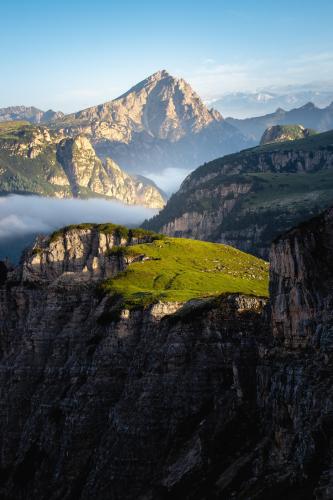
224 398
234 199
37 159
283 133
159 123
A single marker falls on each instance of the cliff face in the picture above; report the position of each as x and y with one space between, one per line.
85 170
295 379
234 199
40 160
302 280
110 406
210 399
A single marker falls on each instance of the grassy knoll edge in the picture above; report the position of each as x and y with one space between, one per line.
178 270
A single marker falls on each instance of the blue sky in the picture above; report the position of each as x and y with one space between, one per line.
69 54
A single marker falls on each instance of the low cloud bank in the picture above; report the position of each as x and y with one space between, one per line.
168 179
24 215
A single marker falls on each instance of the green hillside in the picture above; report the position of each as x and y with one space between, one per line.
249 198
180 269
249 157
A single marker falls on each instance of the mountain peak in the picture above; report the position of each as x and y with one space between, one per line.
161 106
159 75
308 105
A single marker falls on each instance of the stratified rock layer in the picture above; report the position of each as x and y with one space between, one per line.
210 399
247 199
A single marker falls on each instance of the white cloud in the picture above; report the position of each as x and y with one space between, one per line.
168 179
23 215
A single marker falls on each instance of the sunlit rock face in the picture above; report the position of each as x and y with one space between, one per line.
159 123
41 160
283 133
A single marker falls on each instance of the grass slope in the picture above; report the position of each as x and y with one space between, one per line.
275 201
181 269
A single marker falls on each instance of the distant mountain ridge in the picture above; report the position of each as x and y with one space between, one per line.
309 116
29 113
243 105
160 122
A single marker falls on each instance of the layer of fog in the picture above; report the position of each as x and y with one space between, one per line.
23 215
169 179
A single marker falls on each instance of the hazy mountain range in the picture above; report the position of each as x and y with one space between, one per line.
249 104
28 113
309 116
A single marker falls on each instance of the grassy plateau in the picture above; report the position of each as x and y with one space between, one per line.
177 269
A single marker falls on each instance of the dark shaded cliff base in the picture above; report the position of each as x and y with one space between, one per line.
213 399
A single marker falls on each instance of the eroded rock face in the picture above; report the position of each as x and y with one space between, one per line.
223 398
85 170
114 406
302 284
50 163
234 199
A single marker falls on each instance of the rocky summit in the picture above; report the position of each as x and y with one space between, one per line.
222 397
37 159
160 122
247 199
283 133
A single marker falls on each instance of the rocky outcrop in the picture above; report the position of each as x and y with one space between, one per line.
85 170
40 160
221 398
234 199
159 123
283 133
83 384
